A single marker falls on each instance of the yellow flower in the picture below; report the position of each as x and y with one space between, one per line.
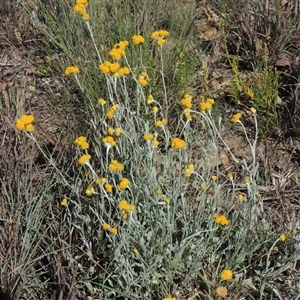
142 81
203 187
155 109
161 123
100 180
115 166
221 291
81 141
159 192
71 70
167 200
85 16
226 274
124 205
118 131
25 123
84 159
247 180
169 298
283 237
159 36
105 226
110 131
101 101
155 143
108 187
137 39
123 184
186 103
203 106
230 176
188 171
109 141
114 230
221 219
214 177
29 128
210 101
178 143
236 117
64 202
89 191
148 136
111 112
134 250
125 215
150 99
241 197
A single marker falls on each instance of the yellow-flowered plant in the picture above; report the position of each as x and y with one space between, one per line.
25 122
143 78
115 166
221 291
81 141
177 143
80 8
221 219
138 39
188 171
226 274
71 70
84 159
111 112
236 117
109 141
123 184
160 36
124 205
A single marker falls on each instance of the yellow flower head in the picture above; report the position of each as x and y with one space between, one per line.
230 176
25 123
81 141
214 177
221 219
114 230
89 191
170 298
159 192
155 143
160 36
138 39
226 274
108 187
71 70
188 171
105 226
186 103
148 136
100 180
124 205
247 180
161 123
241 197
150 99
283 237
115 166
64 202
111 112
109 141
84 159
177 143
101 101
221 291
123 184
236 118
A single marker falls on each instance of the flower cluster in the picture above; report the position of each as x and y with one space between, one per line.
123 184
188 171
25 122
160 36
143 78
118 50
111 112
126 208
206 105
177 143
221 219
221 291
84 159
148 136
81 141
137 39
160 123
71 70
186 103
106 227
109 141
114 69
236 117
226 274
115 166
80 7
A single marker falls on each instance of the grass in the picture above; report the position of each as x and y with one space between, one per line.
182 216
